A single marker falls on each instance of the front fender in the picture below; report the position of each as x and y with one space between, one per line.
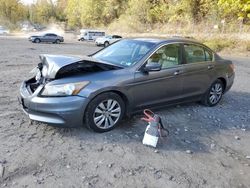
120 91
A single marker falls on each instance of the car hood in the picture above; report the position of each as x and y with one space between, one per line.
54 65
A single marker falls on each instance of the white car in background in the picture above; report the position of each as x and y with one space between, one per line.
107 40
4 31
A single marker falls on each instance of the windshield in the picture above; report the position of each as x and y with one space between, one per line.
124 53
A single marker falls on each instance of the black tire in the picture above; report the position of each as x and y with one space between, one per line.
82 39
207 98
106 43
57 41
94 105
37 40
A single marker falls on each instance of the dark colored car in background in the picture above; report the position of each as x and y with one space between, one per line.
48 37
127 76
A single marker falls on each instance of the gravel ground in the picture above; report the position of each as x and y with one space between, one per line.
207 147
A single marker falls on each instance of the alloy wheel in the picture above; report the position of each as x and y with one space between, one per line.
215 93
107 113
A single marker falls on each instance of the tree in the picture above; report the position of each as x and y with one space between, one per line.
42 11
232 9
159 11
60 10
113 9
13 10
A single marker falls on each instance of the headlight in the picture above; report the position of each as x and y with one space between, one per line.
64 89
38 75
34 72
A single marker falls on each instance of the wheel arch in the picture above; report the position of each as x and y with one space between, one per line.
124 97
224 81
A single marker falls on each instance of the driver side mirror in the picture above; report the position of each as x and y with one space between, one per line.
152 67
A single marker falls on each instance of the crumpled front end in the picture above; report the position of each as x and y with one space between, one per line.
59 111
51 95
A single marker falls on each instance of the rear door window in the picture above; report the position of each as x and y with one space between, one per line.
50 35
195 53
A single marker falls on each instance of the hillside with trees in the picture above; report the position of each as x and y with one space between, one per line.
131 15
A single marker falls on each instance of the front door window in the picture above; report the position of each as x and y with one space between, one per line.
168 56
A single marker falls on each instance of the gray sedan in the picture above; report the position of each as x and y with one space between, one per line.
48 37
100 89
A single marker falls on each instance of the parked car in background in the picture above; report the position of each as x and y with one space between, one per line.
107 40
4 31
90 35
127 76
48 37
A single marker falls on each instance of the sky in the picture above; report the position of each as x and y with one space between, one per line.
28 2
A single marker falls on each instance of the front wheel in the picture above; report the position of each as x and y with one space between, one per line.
214 94
104 112
37 40
57 41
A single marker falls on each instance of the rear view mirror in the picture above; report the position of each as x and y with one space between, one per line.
152 67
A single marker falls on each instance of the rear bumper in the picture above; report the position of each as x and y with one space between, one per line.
57 111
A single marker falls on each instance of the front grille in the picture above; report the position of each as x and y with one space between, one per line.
32 84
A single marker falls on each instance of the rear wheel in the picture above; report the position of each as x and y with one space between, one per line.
57 41
214 94
106 44
104 112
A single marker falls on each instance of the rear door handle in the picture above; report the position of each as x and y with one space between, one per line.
210 66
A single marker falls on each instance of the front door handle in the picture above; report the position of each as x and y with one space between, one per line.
210 66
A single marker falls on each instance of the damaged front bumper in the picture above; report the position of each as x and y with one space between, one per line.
58 111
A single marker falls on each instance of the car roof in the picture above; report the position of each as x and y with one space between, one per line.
169 39
50 33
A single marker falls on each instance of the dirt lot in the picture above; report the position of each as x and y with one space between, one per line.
36 155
